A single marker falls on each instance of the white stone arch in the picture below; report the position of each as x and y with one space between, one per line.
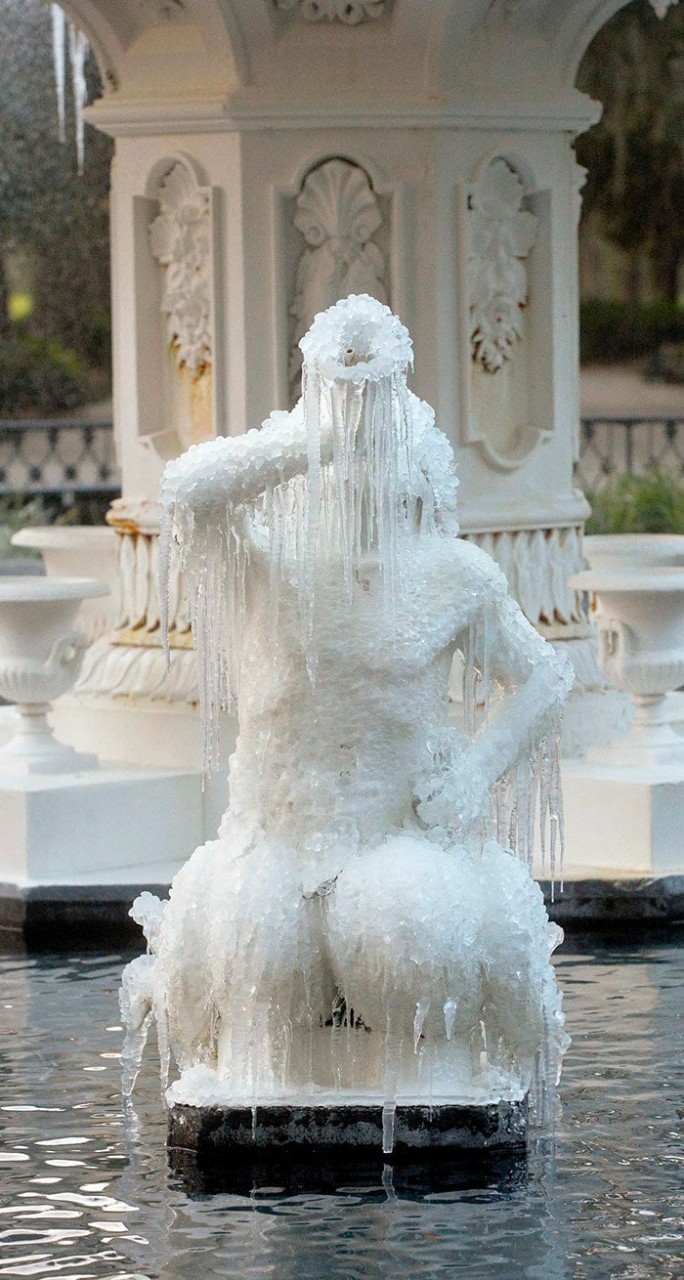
102 35
577 29
161 168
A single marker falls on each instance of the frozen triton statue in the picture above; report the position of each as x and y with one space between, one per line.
355 932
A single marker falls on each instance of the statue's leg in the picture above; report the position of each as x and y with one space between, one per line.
183 974
403 925
521 997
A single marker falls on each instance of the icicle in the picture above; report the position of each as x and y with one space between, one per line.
59 63
450 1010
422 1011
136 1004
389 1112
165 551
78 51
469 682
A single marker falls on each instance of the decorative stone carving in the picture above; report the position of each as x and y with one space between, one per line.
351 12
537 564
130 661
40 658
501 234
180 240
337 213
640 616
579 181
163 10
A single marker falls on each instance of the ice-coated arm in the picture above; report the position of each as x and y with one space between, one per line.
532 681
236 470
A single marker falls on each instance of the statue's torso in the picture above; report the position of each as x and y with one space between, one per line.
342 744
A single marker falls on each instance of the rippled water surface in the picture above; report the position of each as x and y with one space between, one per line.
603 1200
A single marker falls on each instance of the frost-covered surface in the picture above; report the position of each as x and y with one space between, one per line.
366 923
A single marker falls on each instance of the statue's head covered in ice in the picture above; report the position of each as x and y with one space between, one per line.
365 926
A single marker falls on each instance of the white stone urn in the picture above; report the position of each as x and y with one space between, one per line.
633 550
40 659
80 551
640 617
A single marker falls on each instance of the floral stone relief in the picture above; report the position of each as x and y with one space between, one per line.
501 234
180 241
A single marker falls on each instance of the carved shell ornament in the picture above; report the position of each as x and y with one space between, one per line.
350 12
501 234
180 241
337 213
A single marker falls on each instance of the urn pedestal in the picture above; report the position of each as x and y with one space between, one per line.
625 802
78 841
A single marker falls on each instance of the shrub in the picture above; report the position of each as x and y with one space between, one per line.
38 376
653 503
613 331
16 513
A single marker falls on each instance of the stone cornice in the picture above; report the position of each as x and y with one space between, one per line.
141 117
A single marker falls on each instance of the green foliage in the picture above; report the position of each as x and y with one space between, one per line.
613 331
39 377
15 514
653 503
53 219
634 154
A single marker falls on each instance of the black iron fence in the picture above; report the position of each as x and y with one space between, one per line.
613 446
50 456
63 460
62 463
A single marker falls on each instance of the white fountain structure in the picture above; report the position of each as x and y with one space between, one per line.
630 792
41 654
355 936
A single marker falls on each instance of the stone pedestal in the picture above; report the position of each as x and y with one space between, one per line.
627 822
74 839
231 1135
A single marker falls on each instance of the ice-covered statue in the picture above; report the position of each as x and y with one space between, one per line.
365 926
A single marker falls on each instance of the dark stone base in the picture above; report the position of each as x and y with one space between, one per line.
215 1130
610 904
323 1148
51 914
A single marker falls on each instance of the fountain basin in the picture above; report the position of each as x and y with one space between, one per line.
640 617
75 551
40 658
633 550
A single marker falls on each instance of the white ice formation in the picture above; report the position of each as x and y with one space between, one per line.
365 927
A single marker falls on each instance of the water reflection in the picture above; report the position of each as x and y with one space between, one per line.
601 1202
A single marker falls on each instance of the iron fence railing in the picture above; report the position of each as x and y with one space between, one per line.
50 456
636 445
59 460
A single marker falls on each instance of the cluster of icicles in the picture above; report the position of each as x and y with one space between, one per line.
358 469
63 34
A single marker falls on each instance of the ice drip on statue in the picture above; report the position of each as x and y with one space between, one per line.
365 926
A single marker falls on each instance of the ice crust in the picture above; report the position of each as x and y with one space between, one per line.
366 924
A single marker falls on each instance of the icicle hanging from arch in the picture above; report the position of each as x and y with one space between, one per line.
78 53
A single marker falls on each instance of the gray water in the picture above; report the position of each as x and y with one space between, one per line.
82 1199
